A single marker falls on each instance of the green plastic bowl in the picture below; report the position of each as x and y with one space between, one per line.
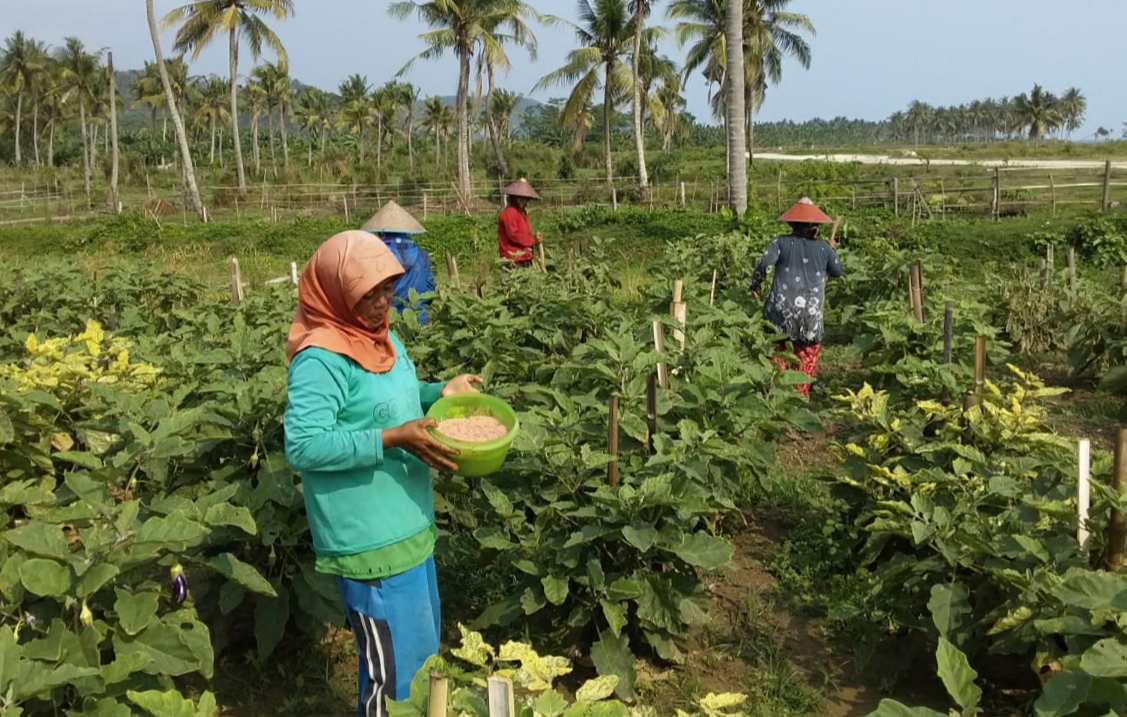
476 459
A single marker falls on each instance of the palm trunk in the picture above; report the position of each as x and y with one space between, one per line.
379 142
502 165
270 132
51 146
463 115
182 136
324 134
360 141
239 170
35 130
639 128
737 141
256 154
606 128
285 135
309 162
115 207
211 159
410 136
19 112
85 147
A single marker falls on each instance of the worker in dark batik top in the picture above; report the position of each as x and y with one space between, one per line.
796 302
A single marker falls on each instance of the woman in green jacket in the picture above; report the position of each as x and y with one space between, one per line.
356 432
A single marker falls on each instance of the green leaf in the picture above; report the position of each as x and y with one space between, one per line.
242 573
612 656
82 459
624 589
231 595
1063 694
105 707
9 658
174 532
550 704
124 666
641 538
704 551
957 675
1093 590
40 538
555 589
227 514
162 643
615 615
36 679
7 432
95 578
497 499
892 708
1107 658
270 617
949 607
135 611
163 704
45 578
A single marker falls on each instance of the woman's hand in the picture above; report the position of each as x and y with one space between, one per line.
414 437
466 383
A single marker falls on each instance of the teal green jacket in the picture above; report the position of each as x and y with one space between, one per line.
358 496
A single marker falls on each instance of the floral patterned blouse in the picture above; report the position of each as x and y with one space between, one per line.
797 300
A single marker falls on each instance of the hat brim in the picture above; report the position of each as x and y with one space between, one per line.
392 218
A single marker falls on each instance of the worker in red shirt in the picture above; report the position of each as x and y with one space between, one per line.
514 232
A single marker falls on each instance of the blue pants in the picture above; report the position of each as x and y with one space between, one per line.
396 622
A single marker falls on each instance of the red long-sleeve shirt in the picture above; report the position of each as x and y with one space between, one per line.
514 235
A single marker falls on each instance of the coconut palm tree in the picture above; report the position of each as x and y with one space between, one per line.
605 34
735 78
274 78
19 63
770 35
314 115
437 119
80 83
641 10
257 102
502 105
213 110
187 167
407 97
469 28
1074 106
356 108
203 20
1039 112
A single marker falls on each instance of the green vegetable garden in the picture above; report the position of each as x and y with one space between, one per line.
154 537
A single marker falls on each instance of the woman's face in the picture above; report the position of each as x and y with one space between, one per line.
375 305
521 202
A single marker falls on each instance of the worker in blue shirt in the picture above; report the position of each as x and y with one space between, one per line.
395 226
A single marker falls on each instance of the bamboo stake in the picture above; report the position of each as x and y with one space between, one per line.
543 260
1083 492
678 311
439 695
501 703
712 293
948 344
1053 190
917 292
1071 268
980 364
452 269
833 232
236 282
1105 200
293 273
659 345
1117 526
612 442
651 410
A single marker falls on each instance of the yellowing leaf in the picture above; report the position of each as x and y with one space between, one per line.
597 689
474 649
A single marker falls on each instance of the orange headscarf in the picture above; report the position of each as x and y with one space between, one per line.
340 273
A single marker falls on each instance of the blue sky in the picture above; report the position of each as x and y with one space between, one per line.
871 57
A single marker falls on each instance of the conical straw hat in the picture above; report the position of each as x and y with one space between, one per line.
521 188
805 211
393 218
